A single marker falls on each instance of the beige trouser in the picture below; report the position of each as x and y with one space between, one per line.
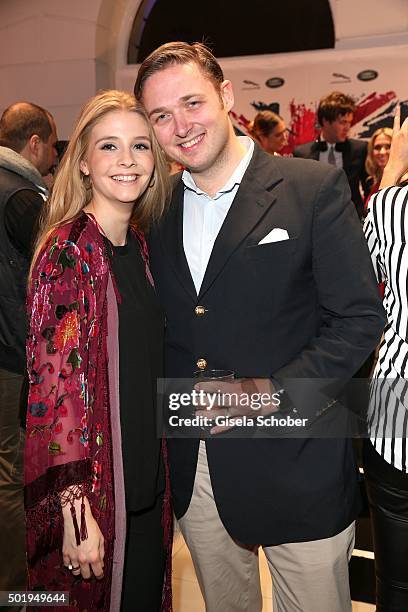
306 576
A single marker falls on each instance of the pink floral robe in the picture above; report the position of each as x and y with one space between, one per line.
73 433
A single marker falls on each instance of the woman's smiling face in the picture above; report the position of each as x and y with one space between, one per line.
119 158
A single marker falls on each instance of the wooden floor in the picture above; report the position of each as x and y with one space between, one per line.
186 593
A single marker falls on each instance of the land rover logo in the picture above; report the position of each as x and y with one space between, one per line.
275 82
367 75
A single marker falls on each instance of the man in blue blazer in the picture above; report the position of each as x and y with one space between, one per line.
262 269
335 115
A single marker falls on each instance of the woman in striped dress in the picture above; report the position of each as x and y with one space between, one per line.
386 450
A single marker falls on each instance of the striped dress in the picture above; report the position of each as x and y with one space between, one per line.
386 231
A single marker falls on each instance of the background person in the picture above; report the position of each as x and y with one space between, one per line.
262 268
270 131
27 152
395 172
335 116
91 294
378 153
385 453
174 166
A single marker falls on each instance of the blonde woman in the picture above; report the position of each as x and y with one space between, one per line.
94 471
378 153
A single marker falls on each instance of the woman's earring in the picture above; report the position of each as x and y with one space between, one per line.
86 179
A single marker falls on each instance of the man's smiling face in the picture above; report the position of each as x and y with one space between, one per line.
189 115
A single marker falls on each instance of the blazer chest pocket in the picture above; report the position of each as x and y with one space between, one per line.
272 250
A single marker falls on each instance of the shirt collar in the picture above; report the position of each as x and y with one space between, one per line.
329 144
235 178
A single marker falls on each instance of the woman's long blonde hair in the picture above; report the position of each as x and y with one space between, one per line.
72 190
373 171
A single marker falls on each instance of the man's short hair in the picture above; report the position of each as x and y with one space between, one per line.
22 120
333 105
174 53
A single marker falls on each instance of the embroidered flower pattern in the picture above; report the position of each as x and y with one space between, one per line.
67 333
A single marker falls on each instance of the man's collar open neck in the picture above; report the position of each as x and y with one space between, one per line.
211 181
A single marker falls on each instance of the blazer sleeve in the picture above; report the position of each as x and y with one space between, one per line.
351 313
301 151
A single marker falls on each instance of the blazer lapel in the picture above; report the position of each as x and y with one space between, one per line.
347 157
251 203
314 150
171 232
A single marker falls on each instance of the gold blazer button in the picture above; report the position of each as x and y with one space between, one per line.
199 310
201 363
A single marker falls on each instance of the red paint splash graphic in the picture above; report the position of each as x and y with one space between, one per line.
371 103
240 120
303 121
302 126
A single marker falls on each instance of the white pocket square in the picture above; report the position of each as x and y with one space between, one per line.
276 235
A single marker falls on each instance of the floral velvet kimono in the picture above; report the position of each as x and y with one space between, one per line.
73 421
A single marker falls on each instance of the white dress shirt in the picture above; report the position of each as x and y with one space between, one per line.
203 215
338 155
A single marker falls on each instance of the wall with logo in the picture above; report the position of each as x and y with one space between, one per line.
291 85
58 54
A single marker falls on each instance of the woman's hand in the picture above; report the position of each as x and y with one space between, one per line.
398 161
90 553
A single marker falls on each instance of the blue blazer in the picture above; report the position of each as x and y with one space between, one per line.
303 308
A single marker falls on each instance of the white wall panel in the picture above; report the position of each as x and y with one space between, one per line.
60 52
357 18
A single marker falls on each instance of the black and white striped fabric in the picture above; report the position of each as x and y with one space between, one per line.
386 231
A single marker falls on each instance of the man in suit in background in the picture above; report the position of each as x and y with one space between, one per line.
262 269
335 116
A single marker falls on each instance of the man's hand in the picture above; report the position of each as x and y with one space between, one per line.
242 397
90 553
398 161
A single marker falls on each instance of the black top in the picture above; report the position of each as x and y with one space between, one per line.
141 331
21 218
